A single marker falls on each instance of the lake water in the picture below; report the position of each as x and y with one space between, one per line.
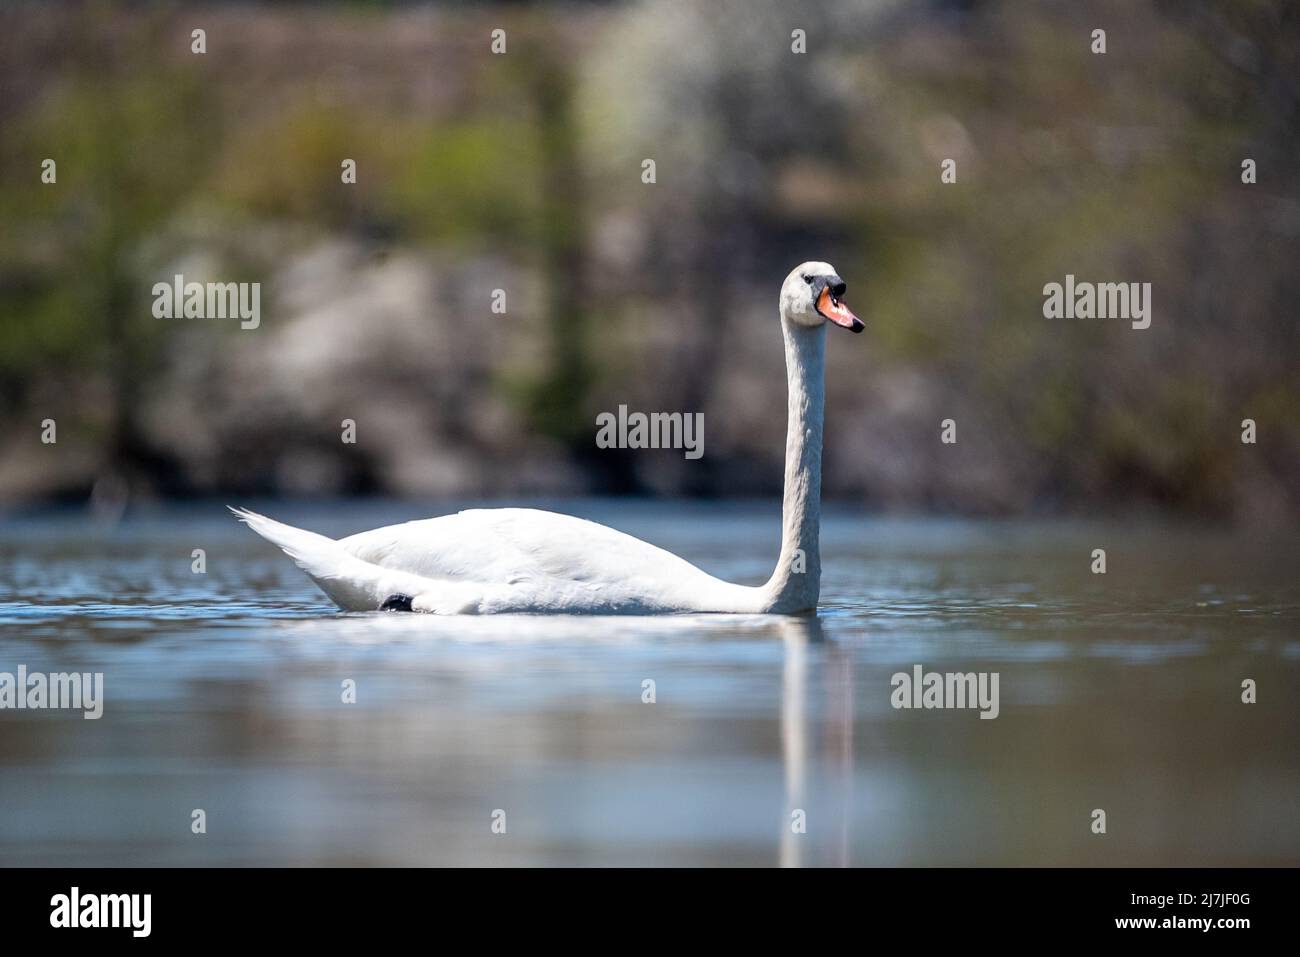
223 692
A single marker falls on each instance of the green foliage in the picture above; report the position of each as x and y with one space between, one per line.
129 150
472 182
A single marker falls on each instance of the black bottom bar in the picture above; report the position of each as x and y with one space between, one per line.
333 907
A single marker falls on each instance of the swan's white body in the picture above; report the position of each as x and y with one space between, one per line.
486 561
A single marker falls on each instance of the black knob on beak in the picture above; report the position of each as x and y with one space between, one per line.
834 283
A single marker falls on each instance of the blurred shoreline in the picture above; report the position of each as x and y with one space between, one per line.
518 180
339 516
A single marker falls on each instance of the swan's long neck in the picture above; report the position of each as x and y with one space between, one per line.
796 583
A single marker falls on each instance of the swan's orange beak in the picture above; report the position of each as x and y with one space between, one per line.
830 307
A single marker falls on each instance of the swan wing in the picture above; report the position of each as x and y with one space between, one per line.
511 546
499 560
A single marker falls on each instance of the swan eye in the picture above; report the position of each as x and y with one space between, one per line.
807 279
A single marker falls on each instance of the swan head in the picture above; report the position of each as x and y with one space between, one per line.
813 295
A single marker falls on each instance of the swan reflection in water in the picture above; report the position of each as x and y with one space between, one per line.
806 652
798 635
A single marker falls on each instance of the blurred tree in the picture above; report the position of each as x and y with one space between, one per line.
132 138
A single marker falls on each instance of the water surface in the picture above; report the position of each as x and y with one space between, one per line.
224 692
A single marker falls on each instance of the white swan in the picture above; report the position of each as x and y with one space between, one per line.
496 560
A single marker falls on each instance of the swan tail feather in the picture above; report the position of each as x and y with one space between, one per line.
352 584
